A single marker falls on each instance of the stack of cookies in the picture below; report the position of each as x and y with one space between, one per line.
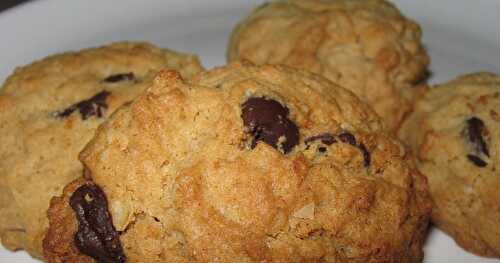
289 153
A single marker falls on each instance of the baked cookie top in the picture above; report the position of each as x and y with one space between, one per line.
368 47
455 132
49 110
243 164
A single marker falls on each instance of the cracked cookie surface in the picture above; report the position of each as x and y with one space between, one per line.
250 164
455 133
368 47
49 110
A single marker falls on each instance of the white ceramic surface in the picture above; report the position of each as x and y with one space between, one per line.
461 35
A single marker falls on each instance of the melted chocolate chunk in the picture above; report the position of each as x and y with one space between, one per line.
325 138
475 131
96 236
90 107
120 77
347 138
476 160
267 120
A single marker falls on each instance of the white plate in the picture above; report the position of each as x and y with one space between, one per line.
462 36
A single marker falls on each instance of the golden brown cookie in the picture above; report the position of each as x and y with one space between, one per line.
242 164
49 110
455 133
366 46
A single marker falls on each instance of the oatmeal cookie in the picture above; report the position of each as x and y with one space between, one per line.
49 110
455 133
366 46
242 164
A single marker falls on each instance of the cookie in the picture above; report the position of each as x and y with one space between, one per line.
242 164
368 47
49 110
455 133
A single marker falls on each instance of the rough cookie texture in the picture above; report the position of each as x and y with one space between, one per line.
193 173
455 133
49 110
366 46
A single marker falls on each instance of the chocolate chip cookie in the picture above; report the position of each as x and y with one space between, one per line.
242 164
455 132
368 47
49 110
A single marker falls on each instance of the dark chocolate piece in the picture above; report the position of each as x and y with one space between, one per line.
93 106
96 236
325 138
347 137
366 155
267 120
120 77
475 132
476 160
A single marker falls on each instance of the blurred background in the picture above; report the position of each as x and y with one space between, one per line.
4 4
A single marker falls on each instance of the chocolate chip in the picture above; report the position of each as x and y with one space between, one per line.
267 121
90 107
96 236
120 77
475 131
347 137
476 160
366 155
325 138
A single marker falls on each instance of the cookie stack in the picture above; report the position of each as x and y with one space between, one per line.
134 153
